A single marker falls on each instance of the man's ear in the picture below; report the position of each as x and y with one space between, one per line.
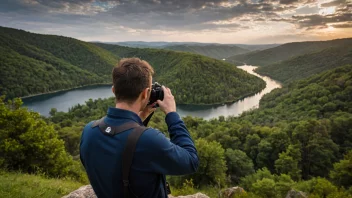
113 89
145 93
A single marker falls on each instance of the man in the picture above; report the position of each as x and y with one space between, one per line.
155 156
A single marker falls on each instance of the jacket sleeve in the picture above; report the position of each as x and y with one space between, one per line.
177 156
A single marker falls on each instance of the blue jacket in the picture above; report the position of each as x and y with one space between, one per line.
155 156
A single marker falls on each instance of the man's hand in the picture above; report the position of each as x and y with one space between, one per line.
146 111
168 104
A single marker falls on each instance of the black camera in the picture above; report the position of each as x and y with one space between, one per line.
157 93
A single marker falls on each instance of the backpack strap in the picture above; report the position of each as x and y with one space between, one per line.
128 152
127 157
113 130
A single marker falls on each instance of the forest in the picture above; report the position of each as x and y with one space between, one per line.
194 79
306 65
300 138
213 51
34 64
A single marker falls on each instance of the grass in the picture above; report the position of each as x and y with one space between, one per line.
18 185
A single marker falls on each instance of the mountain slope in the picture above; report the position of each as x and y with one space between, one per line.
306 65
194 79
213 51
319 96
34 64
286 51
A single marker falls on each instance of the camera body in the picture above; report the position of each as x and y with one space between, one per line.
157 93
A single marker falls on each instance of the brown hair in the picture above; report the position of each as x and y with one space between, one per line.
130 77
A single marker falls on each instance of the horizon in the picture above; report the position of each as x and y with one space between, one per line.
200 21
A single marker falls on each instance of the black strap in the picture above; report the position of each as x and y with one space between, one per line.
113 130
128 153
127 156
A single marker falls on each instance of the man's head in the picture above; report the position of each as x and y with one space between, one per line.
132 81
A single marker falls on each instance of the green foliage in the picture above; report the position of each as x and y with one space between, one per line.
212 167
30 145
19 185
194 79
213 51
286 51
342 172
34 63
238 165
303 66
288 162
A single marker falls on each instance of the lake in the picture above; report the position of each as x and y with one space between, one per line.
63 100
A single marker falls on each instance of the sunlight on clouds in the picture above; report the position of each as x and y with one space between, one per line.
327 11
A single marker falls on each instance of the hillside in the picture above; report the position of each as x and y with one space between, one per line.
319 96
213 51
306 65
286 51
194 79
34 63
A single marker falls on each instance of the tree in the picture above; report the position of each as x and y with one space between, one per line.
239 165
212 167
288 162
342 172
28 144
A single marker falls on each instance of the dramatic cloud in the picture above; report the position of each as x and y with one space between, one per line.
167 19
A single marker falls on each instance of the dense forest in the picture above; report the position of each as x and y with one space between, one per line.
286 51
34 63
306 65
194 79
300 138
213 51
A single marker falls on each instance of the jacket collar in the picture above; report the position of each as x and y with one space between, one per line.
124 114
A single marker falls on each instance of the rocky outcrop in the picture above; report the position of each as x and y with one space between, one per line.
88 192
198 195
82 192
231 192
296 194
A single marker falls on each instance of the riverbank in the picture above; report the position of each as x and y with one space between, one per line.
63 90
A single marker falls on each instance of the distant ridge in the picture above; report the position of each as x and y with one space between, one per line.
308 64
285 51
213 51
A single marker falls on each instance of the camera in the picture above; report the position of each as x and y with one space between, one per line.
157 93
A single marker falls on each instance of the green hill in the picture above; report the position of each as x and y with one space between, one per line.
213 51
194 79
34 63
319 96
286 51
306 65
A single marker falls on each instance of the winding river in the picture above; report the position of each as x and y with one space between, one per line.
62 101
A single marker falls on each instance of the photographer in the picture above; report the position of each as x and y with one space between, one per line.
121 156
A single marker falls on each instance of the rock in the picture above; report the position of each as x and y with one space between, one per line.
296 194
198 195
82 192
231 192
88 192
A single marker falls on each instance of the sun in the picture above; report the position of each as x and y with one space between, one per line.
327 11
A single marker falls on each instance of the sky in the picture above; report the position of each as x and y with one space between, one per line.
206 21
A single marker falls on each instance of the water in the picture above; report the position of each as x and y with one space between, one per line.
62 101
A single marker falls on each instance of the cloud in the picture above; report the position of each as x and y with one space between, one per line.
170 17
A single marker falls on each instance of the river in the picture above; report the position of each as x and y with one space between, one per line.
63 100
